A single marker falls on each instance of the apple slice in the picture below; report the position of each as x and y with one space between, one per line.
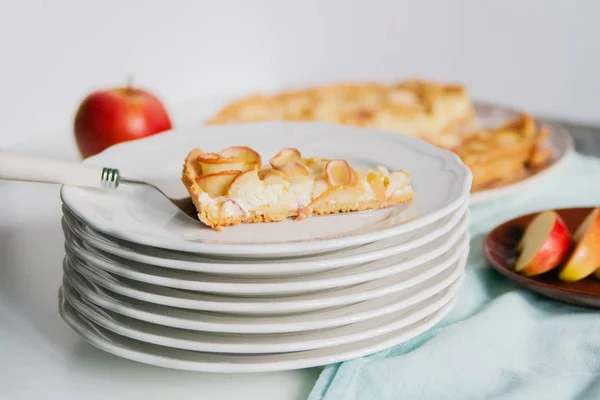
244 181
585 259
377 183
340 173
341 196
317 164
272 176
217 184
285 156
212 163
251 158
320 186
292 169
544 244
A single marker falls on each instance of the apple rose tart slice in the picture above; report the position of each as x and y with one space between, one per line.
230 187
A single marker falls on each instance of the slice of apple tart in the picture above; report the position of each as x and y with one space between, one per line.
231 187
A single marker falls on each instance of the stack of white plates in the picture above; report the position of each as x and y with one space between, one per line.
148 283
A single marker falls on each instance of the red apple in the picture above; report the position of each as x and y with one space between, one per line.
111 116
585 259
544 244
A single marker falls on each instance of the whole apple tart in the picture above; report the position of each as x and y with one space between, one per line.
442 114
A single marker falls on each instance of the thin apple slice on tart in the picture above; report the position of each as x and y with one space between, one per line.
231 187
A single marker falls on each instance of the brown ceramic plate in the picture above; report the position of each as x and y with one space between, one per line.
500 250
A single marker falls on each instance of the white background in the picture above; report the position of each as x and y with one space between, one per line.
543 55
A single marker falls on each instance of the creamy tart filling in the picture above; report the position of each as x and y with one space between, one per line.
295 195
233 186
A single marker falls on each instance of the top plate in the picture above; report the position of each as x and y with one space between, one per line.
440 180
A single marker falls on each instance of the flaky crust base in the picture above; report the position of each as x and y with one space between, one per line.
361 206
189 175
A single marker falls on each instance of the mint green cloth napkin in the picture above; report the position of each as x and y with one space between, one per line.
500 341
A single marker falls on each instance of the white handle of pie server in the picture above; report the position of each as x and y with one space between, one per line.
19 167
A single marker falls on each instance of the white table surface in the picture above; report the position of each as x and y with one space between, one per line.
42 358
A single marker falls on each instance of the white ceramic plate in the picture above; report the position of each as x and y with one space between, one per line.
274 304
214 322
559 140
254 344
141 215
287 266
432 253
239 363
